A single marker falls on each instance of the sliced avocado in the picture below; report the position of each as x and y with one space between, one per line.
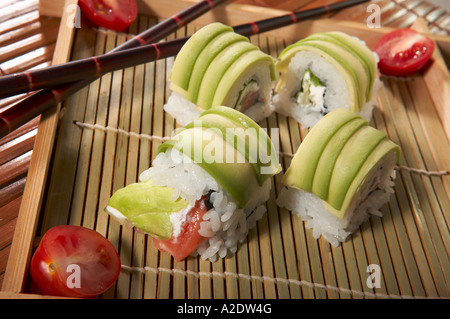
247 60
227 129
330 154
185 60
216 70
303 167
360 51
377 158
245 140
349 75
350 160
147 207
272 166
237 178
366 54
206 57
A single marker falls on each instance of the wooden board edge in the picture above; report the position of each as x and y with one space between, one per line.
437 79
15 295
23 239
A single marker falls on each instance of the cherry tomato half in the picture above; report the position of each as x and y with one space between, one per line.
403 51
112 14
74 261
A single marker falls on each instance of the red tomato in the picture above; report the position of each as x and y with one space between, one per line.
74 261
112 14
403 52
189 238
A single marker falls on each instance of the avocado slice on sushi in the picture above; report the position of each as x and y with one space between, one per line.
237 177
248 60
207 56
209 85
246 137
307 157
350 160
147 207
364 52
360 183
183 66
270 166
330 154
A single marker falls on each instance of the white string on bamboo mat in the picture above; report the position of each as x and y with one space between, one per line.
119 130
165 138
276 280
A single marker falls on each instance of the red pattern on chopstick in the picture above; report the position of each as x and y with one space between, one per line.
37 103
169 25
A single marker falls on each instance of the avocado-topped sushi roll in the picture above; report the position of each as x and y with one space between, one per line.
323 72
206 187
342 173
218 67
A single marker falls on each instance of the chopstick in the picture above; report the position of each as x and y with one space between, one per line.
40 101
92 68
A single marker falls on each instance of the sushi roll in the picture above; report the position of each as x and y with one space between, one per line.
205 189
218 67
323 72
342 173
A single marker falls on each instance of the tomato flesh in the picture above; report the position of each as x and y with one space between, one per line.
112 14
74 261
189 238
403 52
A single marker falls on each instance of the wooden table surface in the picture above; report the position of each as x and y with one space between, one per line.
27 40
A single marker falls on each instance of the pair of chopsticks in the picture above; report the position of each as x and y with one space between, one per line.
56 83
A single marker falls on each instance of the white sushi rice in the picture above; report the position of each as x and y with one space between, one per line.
181 109
336 93
373 194
225 225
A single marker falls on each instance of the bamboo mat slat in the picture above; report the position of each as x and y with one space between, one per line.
19 23
280 258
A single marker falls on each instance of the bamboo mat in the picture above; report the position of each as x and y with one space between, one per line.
27 40
105 142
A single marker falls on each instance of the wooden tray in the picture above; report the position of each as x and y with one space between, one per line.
76 166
